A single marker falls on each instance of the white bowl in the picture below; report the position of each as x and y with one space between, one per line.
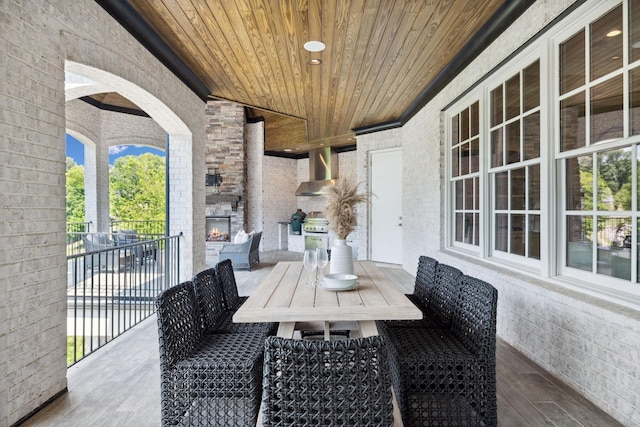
339 281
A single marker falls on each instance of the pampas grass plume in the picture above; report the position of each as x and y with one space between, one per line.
342 199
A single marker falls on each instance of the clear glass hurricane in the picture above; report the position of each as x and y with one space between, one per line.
322 259
310 264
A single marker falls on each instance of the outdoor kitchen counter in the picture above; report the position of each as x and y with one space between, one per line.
284 230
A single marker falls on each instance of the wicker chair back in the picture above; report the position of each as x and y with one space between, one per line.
229 285
444 293
326 383
210 297
425 279
179 323
474 321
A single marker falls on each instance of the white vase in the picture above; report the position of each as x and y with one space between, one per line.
341 258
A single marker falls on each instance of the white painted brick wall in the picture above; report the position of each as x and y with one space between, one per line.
37 37
279 183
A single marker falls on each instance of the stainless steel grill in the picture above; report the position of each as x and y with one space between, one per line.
315 231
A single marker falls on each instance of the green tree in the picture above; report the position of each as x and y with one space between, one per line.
623 198
137 188
75 191
615 168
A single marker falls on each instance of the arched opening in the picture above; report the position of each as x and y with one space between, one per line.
126 170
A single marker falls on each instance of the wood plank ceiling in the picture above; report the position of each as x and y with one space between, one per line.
380 56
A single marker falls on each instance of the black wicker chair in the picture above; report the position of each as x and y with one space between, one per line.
326 383
212 379
436 289
230 287
216 317
425 280
446 376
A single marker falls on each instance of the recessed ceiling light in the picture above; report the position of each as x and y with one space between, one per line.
288 150
614 33
315 61
314 46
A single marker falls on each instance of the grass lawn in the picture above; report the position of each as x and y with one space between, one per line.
79 347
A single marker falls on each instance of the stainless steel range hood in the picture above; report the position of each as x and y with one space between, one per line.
323 171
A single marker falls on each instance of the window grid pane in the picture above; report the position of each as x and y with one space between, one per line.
634 100
572 60
579 242
605 45
465 158
607 111
572 129
517 190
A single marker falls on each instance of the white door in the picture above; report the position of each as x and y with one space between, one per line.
386 205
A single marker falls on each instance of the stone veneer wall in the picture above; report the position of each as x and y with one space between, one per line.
589 343
225 149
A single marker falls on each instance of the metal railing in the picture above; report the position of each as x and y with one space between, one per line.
142 227
79 227
74 231
111 290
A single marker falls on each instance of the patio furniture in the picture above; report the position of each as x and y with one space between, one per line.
436 290
227 277
103 254
284 297
143 249
326 383
206 379
243 255
215 315
447 376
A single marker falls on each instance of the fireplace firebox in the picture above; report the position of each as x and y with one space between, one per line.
218 228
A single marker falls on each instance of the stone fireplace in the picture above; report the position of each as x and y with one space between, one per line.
225 156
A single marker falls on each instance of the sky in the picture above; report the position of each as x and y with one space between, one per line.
75 150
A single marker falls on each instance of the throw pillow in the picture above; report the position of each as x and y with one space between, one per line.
241 237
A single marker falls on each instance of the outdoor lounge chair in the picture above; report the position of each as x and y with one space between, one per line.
243 255
143 249
102 254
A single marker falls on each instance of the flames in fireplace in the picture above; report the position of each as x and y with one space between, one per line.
216 235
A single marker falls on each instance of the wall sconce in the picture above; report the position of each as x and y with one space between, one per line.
214 179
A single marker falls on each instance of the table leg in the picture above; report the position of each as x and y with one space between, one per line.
285 329
368 328
327 331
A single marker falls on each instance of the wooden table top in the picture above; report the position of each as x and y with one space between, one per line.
284 296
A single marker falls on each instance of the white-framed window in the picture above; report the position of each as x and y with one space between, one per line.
514 163
598 113
465 175
561 117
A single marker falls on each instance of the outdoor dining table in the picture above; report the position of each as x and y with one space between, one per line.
285 297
